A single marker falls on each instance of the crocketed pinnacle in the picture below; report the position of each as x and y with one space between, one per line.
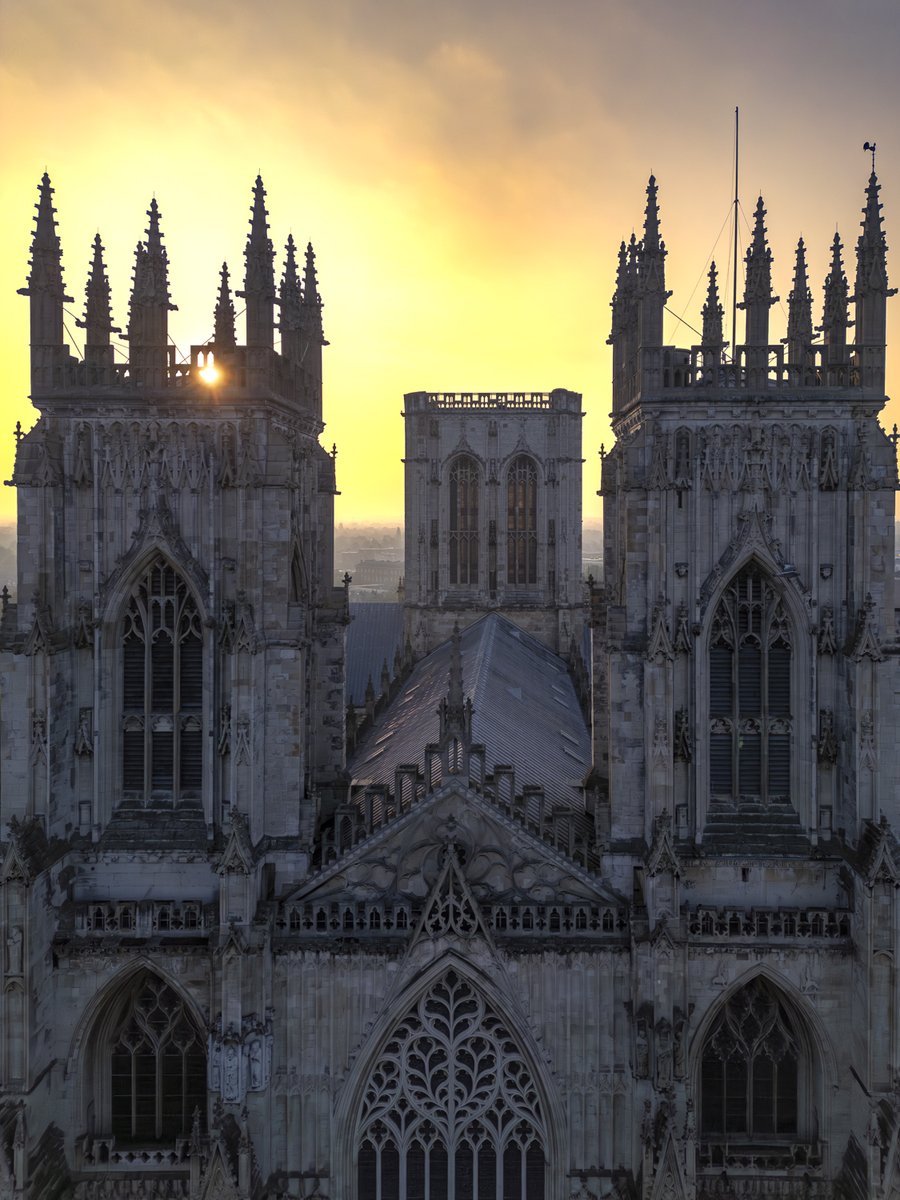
618 302
758 285
259 254
151 266
800 324
834 315
871 248
311 297
290 294
652 252
651 218
225 336
46 253
97 322
712 311
455 712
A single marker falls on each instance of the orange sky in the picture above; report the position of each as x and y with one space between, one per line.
464 170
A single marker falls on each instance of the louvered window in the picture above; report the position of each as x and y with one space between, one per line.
750 693
521 522
162 689
464 488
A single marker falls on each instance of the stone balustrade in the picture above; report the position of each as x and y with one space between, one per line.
141 918
767 923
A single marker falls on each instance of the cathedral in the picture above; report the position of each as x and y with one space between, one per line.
524 888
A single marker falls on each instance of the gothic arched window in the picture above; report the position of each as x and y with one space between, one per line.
451 1109
464 485
162 743
156 1064
750 693
750 1068
521 522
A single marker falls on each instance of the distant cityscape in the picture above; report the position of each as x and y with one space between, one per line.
372 555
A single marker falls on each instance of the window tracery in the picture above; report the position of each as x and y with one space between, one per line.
750 693
162 675
750 1068
521 522
451 1111
156 1064
464 488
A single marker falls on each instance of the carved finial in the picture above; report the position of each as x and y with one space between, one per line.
225 336
800 325
712 311
18 432
334 450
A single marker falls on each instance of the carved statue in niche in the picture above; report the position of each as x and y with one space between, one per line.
827 643
14 951
663 1054
642 1051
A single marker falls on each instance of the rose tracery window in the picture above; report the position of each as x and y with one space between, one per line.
750 693
162 743
464 521
521 522
450 1111
156 1064
749 1071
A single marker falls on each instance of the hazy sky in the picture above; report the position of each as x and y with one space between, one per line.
465 171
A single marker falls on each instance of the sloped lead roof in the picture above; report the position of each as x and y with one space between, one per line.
526 713
373 638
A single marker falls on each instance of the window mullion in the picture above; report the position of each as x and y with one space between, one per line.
176 710
148 704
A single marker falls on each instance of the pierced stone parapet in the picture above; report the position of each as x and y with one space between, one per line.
768 924
141 918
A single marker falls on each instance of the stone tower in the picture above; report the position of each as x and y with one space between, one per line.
493 513
745 668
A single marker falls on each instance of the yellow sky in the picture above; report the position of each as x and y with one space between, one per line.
464 170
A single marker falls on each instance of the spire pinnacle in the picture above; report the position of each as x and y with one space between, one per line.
259 273
225 337
834 316
651 217
871 248
758 298
151 266
149 307
800 324
97 322
712 311
311 295
290 301
46 268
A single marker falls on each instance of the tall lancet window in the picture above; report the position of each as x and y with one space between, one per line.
451 1111
464 486
162 744
750 693
521 522
156 1063
750 1076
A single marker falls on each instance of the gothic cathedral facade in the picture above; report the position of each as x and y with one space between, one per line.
509 941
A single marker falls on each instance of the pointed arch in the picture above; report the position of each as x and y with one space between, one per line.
506 1119
465 478
752 706
522 478
139 1057
762 1019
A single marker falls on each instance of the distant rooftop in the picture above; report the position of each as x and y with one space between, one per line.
559 398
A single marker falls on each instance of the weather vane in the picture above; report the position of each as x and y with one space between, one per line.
870 146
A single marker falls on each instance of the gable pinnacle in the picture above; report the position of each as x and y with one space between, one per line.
224 336
97 321
712 311
455 711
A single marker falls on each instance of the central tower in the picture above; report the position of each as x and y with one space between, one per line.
493 513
